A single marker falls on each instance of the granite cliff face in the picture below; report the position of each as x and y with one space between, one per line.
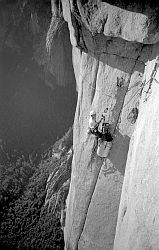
137 226
112 44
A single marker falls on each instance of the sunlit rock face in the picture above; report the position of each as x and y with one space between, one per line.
137 226
112 43
130 20
37 87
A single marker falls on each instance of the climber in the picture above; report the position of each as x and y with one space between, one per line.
93 125
104 135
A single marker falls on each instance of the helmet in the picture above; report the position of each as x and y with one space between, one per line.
92 113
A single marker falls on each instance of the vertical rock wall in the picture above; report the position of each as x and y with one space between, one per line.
109 71
138 220
95 182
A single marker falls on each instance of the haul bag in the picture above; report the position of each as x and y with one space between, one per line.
103 148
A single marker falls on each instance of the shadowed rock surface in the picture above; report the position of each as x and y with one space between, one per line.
137 226
37 87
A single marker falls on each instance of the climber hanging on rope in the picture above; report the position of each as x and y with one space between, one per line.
104 134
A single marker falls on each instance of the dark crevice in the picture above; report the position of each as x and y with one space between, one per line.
123 213
78 32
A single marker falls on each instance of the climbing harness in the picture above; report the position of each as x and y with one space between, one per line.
105 130
105 142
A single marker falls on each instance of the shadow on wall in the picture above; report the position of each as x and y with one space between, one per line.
117 157
122 63
119 151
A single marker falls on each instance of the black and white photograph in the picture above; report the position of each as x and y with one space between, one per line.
79 125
